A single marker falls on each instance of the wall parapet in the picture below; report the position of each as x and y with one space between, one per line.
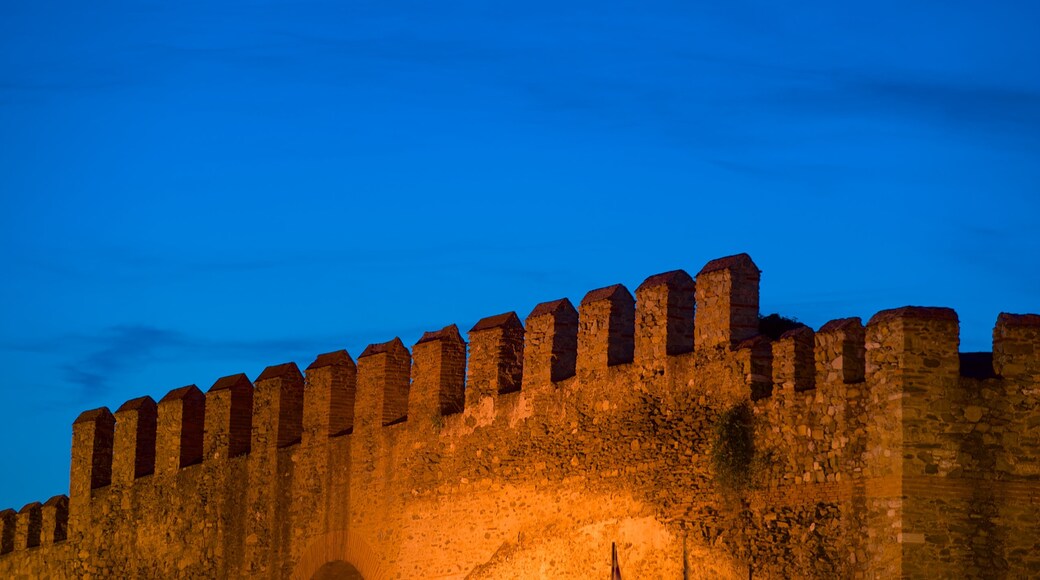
438 375
1016 345
134 440
55 519
496 357
606 329
551 343
612 328
854 415
179 436
840 351
328 395
665 305
228 418
727 302
383 382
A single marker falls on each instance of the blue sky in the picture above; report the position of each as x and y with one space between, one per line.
196 189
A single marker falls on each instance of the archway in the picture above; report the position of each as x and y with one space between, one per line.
337 570
336 555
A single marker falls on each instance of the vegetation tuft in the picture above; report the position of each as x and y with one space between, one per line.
733 451
775 325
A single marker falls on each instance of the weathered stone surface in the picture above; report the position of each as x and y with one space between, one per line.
496 357
228 417
438 375
606 328
28 526
180 430
134 440
727 302
664 317
551 343
851 452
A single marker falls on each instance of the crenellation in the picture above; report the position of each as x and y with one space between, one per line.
794 366
228 418
277 424
551 345
912 356
328 396
913 363
1016 346
133 454
667 426
438 376
840 351
318 470
277 406
1009 400
91 467
977 365
28 526
496 357
926 342
179 431
606 329
8 527
54 520
883 350
755 358
727 302
664 318
383 382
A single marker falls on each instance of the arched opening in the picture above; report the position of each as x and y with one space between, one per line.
337 554
337 570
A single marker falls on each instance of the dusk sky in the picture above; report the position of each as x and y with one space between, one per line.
197 189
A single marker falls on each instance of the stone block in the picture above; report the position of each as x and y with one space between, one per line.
606 328
383 382
328 396
134 442
551 343
496 357
727 302
438 375
180 428
229 418
664 317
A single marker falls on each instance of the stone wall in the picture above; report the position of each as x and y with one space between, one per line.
697 446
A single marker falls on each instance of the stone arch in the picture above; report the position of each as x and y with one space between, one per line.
338 546
337 570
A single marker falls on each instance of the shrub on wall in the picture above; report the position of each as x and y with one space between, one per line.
733 451
775 325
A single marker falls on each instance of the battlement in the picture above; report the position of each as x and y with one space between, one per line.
678 338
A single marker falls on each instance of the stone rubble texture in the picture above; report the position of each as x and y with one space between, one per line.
875 453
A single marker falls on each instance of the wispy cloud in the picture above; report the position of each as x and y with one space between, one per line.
94 362
987 250
956 103
117 348
953 105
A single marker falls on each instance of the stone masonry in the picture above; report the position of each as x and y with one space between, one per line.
697 445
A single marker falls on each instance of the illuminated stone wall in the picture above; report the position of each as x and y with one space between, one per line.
697 445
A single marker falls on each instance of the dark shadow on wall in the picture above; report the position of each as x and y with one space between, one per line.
774 325
337 570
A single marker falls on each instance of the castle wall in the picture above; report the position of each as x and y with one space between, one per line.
663 424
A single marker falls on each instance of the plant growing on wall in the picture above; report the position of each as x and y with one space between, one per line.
733 449
775 325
